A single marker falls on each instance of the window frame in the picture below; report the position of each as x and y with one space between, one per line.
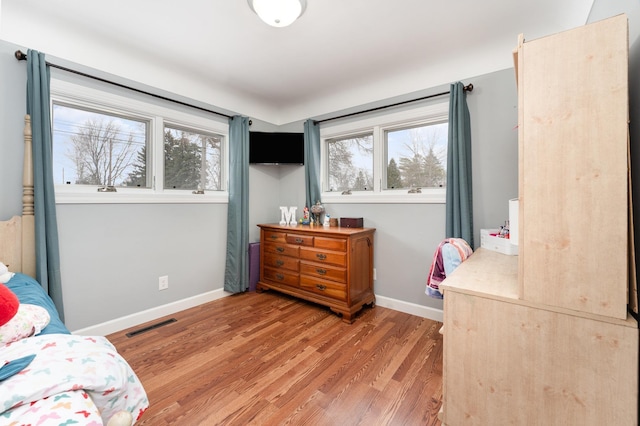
75 95
377 124
223 151
330 140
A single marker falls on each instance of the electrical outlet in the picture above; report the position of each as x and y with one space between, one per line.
163 282
374 274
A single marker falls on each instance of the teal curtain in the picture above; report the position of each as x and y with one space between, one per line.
46 224
236 275
459 210
312 162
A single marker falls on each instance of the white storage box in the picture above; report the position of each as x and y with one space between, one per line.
513 220
501 245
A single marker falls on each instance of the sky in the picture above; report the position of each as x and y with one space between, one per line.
66 122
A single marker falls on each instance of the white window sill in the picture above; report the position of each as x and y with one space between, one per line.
432 196
138 196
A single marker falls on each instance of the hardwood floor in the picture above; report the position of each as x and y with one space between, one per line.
270 359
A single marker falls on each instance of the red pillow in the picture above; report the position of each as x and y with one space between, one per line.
8 304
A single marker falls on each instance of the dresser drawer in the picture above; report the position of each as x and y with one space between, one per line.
281 276
301 240
275 236
334 244
323 256
273 260
324 287
281 249
324 271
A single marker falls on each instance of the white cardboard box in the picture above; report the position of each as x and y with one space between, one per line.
501 245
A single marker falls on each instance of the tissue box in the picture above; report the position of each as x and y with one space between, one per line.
501 245
351 222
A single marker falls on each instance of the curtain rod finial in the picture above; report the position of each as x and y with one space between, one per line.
468 87
20 55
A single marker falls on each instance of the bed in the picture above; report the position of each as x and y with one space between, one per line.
47 374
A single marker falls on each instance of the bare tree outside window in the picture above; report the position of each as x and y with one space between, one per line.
417 157
351 163
91 148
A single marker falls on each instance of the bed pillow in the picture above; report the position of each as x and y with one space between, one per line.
5 275
8 304
31 292
28 321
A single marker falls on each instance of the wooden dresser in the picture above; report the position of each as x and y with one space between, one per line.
331 266
545 338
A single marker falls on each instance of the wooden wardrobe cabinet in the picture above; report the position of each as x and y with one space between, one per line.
509 361
332 266
573 103
545 338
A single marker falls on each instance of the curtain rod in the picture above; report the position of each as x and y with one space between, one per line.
467 88
23 57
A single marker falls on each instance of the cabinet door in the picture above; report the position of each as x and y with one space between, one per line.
573 94
510 364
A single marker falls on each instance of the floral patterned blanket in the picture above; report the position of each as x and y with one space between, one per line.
72 380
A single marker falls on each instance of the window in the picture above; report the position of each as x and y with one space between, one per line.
416 156
396 157
351 163
192 160
95 148
146 151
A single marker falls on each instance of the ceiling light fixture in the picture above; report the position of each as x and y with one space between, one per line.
278 13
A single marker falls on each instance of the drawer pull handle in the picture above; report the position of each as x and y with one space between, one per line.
280 277
321 287
299 240
273 237
280 249
321 271
279 262
321 256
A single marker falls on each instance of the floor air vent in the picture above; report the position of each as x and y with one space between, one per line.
150 327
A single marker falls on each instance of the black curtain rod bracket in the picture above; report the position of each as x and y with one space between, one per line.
23 57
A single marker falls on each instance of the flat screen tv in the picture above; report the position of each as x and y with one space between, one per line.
276 148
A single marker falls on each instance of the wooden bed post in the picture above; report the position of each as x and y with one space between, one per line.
18 248
28 219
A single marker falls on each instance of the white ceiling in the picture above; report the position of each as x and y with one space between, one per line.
339 54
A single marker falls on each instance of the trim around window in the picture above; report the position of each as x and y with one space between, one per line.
425 114
75 94
428 196
90 195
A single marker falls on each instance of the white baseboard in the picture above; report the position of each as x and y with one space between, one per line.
151 314
171 308
410 308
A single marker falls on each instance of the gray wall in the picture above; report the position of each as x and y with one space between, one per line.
408 234
13 85
113 254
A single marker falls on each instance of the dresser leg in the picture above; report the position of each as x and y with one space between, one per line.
345 315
